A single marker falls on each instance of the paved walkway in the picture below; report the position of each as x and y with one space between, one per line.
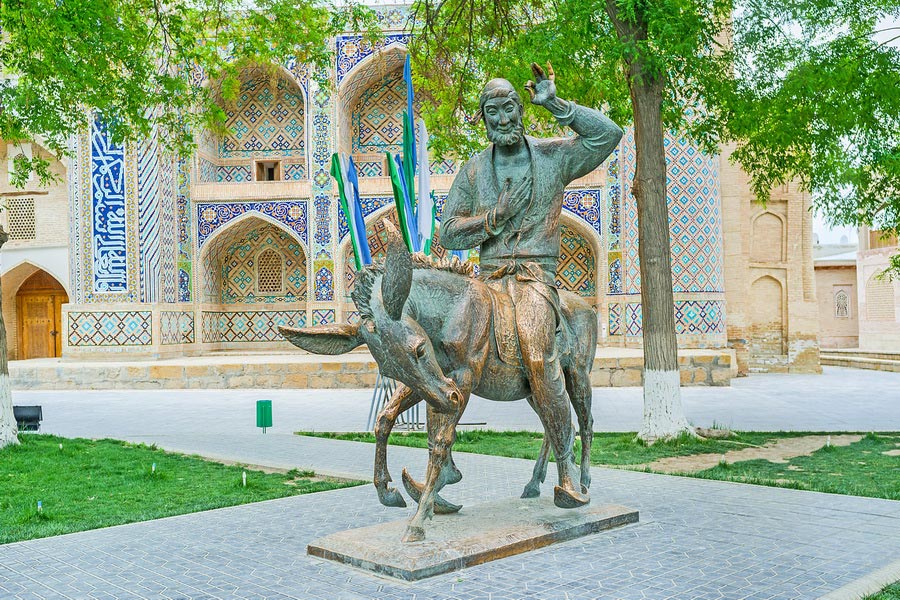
840 399
696 539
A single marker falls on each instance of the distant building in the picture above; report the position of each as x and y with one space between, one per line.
158 255
837 293
879 297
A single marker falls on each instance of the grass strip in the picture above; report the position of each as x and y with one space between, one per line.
86 484
860 469
891 592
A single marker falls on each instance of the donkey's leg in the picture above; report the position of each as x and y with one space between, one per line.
578 385
445 430
539 474
537 337
402 399
449 475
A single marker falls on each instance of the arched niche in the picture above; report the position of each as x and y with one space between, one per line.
767 331
767 238
265 122
229 263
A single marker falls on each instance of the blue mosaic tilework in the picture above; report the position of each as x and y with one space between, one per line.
615 319
211 217
323 316
119 328
586 205
110 260
233 173
150 206
248 326
352 49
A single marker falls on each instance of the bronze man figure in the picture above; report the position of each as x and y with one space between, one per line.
508 199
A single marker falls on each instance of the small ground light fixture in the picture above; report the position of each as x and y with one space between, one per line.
153 468
60 447
40 506
828 441
244 478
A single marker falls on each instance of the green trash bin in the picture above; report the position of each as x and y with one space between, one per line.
264 414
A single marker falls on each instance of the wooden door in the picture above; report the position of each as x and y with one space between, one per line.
39 315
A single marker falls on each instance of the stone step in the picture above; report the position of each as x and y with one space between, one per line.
860 362
613 367
855 353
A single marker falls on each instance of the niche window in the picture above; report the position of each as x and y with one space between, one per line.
841 304
268 170
269 272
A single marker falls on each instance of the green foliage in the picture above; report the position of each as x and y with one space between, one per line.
90 484
807 91
139 63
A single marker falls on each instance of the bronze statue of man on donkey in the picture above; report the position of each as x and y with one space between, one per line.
508 335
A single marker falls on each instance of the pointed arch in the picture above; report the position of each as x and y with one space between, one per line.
227 260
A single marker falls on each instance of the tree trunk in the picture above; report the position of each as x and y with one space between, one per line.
8 430
663 412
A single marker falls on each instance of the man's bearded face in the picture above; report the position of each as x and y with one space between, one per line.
503 120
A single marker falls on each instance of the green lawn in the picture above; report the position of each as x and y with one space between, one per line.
89 484
859 469
891 592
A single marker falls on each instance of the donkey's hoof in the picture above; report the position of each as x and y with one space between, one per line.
532 490
413 534
564 498
451 474
414 489
391 497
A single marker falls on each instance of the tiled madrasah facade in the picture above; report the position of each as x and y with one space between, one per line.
166 256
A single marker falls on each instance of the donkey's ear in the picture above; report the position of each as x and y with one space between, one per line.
397 279
324 339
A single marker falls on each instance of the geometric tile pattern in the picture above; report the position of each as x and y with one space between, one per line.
633 319
248 326
211 217
294 171
377 119
691 317
109 219
370 168
265 120
168 228
233 173
125 328
443 167
699 316
207 171
576 270
615 273
176 327
695 219
239 268
615 319
323 316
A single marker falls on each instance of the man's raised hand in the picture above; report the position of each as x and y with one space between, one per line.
543 88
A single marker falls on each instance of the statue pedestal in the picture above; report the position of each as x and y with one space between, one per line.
477 534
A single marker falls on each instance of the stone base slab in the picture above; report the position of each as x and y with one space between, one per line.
613 367
477 534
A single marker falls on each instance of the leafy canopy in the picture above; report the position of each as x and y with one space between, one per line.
141 63
807 91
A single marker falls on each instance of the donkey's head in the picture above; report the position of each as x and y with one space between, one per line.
400 345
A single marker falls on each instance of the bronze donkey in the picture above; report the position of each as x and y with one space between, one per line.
423 319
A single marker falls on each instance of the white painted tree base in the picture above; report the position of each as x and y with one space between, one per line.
8 429
663 413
